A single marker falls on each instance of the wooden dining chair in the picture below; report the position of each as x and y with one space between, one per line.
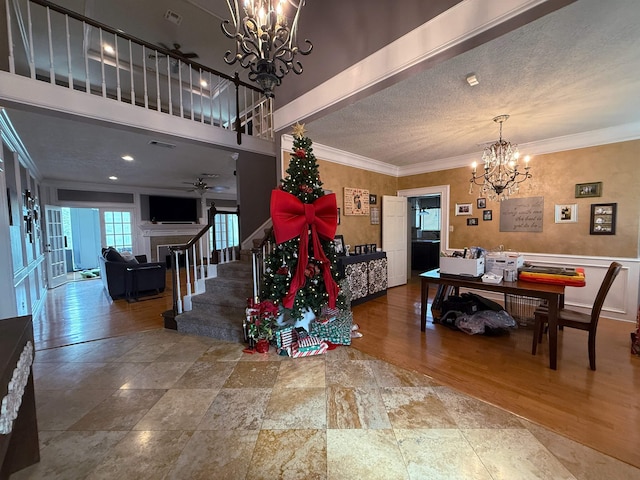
579 320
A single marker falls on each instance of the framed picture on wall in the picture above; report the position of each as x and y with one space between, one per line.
356 201
338 215
603 219
487 215
481 203
567 213
593 189
464 209
472 221
338 243
375 216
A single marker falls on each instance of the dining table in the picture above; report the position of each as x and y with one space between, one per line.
552 293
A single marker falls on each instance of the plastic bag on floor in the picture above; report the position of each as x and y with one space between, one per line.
487 322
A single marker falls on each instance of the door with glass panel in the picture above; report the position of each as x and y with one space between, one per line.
56 260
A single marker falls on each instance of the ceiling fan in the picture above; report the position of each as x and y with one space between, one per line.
176 50
201 187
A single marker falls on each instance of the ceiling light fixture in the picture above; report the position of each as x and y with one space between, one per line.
108 49
128 158
265 42
501 176
113 177
472 80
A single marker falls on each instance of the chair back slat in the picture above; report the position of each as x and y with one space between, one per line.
610 276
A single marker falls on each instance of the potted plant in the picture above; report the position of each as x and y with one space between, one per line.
261 317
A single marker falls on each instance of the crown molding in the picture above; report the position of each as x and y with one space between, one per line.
620 133
341 157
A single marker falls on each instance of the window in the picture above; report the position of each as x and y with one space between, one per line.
428 219
226 228
117 230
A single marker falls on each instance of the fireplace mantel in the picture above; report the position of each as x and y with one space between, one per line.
165 229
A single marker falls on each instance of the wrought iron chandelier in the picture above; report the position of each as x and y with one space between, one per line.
501 176
265 42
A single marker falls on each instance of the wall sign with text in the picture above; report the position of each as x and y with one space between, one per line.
356 201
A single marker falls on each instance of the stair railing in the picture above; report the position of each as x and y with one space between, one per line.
50 43
258 257
197 262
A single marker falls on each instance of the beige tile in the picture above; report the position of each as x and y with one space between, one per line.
158 375
178 409
345 352
302 372
388 375
120 411
145 352
223 352
415 407
289 455
110 375
584 462
71 455
469 412
205 375
236 409
253 375
360 454
68 375
184 351
224 454
512 453
143 454
59 409
439 454
350 373
291 408
351 407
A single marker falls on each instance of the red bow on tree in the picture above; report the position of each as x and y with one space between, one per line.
293 218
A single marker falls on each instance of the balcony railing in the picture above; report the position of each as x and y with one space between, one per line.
52 44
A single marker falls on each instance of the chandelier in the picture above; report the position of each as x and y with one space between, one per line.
265 42
501 176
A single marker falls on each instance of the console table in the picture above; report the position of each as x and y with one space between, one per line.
18 426
366 274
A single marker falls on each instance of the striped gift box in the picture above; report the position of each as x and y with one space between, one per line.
308 343
319 350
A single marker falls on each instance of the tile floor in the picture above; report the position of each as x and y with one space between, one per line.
162 405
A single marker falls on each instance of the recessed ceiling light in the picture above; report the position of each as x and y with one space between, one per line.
472 80
108 49
128 158
113 177
203 83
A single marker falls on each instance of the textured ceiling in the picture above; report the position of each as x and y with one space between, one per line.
574 70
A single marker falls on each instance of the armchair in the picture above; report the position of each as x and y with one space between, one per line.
131 278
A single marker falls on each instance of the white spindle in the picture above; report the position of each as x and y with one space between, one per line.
180 89
191 92
133 90
178 287
118 85
187 269
52 72
12 66
85 54
169 85
157 83
104 80
201 94
144 77
69 70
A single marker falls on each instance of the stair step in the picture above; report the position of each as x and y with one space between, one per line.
224 326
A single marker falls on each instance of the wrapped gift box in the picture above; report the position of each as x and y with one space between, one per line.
336 330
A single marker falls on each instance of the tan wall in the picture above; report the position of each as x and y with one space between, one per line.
555 176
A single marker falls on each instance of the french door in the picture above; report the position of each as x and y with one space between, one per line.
56 261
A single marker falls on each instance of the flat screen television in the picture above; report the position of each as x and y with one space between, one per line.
173 209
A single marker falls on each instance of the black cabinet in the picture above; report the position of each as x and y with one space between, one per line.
366 274
425 255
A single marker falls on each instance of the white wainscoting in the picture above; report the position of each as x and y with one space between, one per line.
621 302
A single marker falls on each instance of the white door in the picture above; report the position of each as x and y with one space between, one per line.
56 261
394 238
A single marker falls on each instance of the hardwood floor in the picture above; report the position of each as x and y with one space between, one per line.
600 409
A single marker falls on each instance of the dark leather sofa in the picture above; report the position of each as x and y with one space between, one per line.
130 278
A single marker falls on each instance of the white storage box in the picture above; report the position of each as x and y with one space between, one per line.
499 262
473 267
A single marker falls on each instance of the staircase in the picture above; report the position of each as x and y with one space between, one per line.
219 311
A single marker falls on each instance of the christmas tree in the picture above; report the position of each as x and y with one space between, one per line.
300 274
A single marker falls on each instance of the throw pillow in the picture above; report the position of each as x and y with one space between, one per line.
113 255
